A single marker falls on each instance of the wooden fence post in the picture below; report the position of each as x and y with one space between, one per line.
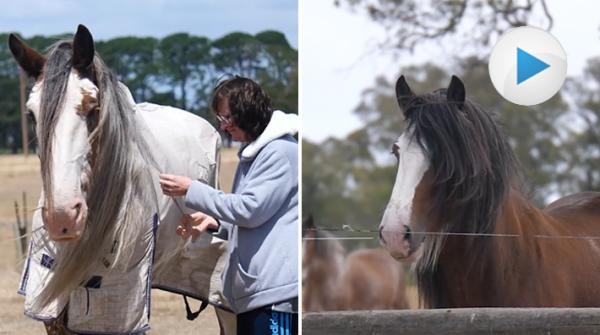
21 229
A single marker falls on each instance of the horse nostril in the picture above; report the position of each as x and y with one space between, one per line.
381 235
77 208
407 234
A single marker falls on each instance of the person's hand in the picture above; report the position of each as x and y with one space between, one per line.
196 224
173 185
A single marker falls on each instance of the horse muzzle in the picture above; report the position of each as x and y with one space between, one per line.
65 223
402 244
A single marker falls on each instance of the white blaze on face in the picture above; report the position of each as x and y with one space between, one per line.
70 143
412 165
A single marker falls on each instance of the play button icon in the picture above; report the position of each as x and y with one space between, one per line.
527 66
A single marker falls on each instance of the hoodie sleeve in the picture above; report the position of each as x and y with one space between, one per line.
267 187
223 231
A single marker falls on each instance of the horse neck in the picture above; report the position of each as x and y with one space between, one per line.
492 270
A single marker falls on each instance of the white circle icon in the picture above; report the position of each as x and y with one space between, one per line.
527 66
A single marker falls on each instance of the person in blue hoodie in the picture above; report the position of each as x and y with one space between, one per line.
260 217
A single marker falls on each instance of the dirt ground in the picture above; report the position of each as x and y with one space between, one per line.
19 174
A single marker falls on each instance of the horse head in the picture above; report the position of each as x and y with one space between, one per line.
454 167
65 105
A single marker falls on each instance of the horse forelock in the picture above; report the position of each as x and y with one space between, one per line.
471 162
472 169
55 80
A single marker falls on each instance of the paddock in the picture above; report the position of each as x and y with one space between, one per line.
19 174
463 321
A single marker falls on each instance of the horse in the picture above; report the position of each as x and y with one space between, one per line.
104 233
457 208
361 280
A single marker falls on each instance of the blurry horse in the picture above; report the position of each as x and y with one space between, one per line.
108 232
457 208
333 280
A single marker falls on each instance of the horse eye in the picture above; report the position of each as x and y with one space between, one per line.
30 116
92 119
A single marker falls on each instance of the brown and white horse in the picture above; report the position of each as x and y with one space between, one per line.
457 208
332 280
108 232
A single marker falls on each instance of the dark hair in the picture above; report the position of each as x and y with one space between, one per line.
250 106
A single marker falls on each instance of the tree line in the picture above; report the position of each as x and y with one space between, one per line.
179 70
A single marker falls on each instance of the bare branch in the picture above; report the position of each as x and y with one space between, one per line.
410 23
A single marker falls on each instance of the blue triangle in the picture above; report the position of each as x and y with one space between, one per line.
528 65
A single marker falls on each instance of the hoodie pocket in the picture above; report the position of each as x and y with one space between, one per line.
244 283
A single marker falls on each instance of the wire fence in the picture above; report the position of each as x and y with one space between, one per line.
347 229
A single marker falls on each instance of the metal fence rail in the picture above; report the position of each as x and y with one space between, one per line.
463 321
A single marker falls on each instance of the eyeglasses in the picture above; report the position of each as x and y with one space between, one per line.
226 120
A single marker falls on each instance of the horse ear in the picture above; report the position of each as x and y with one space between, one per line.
309 222
83 49
456 91
403 93
31 61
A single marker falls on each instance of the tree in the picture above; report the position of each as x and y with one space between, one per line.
279 75
410 23
185 63
582 144
238 53
281 59
133 59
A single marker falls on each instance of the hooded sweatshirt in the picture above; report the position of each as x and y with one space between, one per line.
260 218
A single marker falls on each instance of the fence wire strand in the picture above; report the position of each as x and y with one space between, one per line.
348 229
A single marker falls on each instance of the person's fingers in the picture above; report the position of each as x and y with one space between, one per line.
194 225
198 216
166 187
183 232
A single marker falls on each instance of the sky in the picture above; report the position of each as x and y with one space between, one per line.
338 58
156 18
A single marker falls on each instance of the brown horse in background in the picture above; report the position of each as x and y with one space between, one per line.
457 208
332 280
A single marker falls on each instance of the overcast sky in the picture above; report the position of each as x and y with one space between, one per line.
157 18
339 59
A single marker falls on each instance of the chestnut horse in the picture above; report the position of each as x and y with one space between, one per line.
333 280
456 207
105 233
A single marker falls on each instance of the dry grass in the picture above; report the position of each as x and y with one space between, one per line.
19 174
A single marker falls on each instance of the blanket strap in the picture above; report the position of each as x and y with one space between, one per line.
193 315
